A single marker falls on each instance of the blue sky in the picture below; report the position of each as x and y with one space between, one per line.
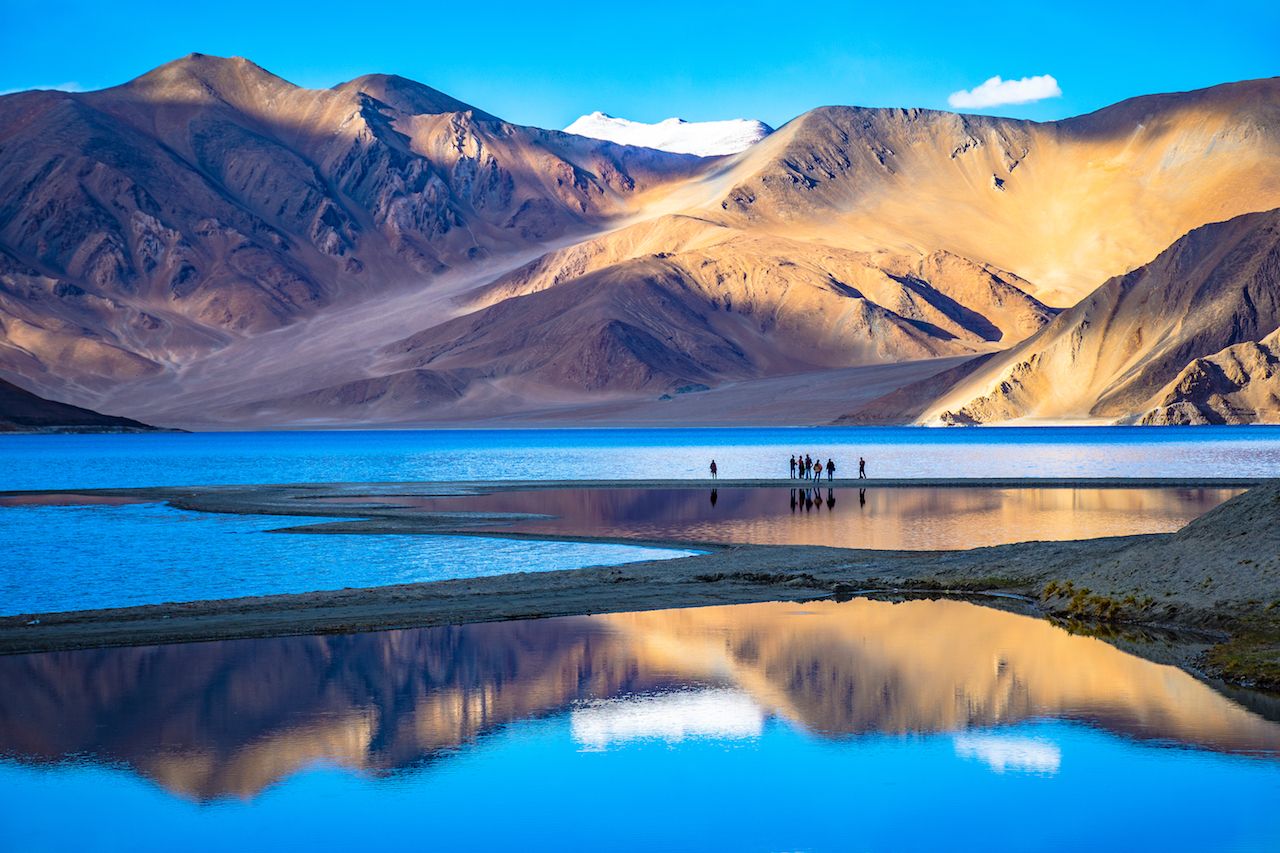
546 63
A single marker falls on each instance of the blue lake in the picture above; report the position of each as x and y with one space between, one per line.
85 557
92 461
863 725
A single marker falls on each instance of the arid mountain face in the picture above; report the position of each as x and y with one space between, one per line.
1239 385
209 244
1065 205
146 226
1173 336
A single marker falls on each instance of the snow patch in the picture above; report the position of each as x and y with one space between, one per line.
704 138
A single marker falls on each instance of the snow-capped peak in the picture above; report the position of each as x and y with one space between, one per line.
704 138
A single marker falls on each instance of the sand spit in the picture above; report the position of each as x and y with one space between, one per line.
1218 576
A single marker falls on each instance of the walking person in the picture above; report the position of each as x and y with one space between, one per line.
793 467
713 469
831 470
862 468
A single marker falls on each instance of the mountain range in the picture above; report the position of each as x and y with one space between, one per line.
209 245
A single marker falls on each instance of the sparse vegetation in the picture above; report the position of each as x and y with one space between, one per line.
1251 657
1084 603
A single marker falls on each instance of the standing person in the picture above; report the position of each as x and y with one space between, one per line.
713 469
793 466
862 468
831 470
808 466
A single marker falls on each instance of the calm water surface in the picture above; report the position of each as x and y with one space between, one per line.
886 518
62 554
857 725
89 461
83 557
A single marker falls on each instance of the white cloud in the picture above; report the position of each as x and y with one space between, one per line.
995 92
1010 753
711 713
61 87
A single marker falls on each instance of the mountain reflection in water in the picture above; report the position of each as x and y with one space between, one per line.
911 518
231 718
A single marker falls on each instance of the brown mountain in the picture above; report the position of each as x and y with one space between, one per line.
211 244
1063 204
1112 355
22 411
1239 385
149 225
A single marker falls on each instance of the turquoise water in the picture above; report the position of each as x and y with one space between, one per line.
89 461
83 557
530 788
855 726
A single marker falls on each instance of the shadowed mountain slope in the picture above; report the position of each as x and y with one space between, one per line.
22 411
148 225
1239 385
1107 357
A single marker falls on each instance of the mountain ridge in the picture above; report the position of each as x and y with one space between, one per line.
210 244
1216 287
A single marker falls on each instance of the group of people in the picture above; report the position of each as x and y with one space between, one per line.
805 467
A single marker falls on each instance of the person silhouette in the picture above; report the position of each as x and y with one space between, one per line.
793 500
714 497
862 468
713 470
831 470
831 499
862 497
793 467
